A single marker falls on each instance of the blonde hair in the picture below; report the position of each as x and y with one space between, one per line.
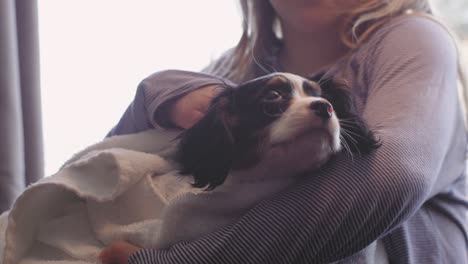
260 35
362 20
260 31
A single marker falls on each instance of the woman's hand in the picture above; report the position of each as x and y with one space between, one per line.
117 253
188 109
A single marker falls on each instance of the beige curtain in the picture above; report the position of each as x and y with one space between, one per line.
21 157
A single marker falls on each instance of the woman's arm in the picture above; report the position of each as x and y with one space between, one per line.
412 101
155 95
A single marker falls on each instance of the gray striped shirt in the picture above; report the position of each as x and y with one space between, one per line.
410 193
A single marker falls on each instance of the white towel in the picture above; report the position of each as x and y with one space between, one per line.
103 194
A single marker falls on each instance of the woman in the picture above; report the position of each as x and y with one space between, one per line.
408 195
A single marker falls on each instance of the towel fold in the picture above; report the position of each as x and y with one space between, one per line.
114 190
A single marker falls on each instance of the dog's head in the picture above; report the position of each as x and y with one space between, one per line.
282 118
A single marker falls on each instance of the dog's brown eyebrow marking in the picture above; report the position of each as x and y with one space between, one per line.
278 80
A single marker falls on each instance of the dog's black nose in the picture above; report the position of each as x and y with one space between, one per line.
322 109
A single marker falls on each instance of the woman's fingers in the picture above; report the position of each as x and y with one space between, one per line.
187 110
117 253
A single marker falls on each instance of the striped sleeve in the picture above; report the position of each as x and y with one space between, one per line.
148 110
412 102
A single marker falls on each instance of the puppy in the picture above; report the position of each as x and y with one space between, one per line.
253 141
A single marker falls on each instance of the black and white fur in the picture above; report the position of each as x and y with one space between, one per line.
253 141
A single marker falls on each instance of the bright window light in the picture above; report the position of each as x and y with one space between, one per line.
94 54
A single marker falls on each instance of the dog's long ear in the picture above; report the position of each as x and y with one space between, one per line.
206 150
354 130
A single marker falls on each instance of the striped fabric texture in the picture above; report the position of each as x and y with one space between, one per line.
409 193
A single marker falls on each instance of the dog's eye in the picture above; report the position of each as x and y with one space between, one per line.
272 96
